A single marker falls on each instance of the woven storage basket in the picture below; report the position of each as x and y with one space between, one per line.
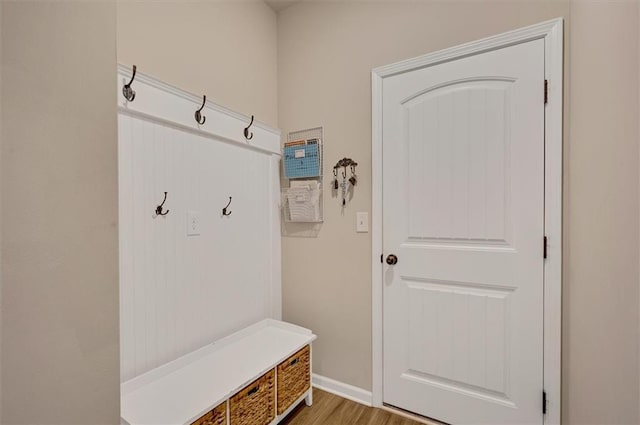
294 378
217 416
254 404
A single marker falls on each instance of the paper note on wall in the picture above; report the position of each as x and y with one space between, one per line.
303 200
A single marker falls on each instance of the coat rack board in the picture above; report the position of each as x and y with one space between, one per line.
199 238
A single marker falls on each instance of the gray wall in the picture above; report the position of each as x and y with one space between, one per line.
332 294
60 348
601 216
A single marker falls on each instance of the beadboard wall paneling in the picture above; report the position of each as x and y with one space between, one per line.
180 292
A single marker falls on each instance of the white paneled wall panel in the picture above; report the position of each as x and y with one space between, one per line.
180 292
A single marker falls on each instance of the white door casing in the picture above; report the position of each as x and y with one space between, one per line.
462 142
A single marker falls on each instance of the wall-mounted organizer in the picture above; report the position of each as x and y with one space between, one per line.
302 200
302 158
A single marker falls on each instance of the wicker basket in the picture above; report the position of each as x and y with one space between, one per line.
254 404
294 378
217 416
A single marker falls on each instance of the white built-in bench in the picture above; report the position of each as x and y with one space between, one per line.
182 391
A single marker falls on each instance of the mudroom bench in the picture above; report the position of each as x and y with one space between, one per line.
253 377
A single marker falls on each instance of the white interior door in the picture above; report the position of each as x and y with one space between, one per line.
463 211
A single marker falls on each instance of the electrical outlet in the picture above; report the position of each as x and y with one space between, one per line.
362 222
193 223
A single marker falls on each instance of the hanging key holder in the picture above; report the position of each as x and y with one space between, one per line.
353 180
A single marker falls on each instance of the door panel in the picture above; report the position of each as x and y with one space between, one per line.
457 185
463 191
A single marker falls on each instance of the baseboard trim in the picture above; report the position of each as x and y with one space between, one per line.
341 389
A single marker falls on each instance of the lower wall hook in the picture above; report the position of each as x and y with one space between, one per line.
224 210
159 207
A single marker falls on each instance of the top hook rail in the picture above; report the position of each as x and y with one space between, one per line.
246 130
200 119
127 91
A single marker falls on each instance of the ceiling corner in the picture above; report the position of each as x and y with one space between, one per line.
278 5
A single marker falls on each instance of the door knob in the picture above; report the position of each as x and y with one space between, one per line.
392 259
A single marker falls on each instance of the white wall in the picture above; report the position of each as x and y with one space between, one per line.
60 349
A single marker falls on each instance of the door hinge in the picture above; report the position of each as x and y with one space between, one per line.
546 91
544 402
544 247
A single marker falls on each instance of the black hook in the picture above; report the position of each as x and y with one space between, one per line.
200 119
353 180
224 210
159 207
246 130
127 91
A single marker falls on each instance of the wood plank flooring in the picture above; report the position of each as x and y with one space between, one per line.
329 409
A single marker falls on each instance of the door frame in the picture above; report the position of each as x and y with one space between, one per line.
552 34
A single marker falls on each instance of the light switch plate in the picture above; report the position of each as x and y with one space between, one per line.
193 223
362 222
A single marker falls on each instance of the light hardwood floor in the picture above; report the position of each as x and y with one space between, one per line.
329 409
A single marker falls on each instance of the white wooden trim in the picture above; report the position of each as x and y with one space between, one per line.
171 105
276 240
554 58
341 389
518 36
376 238
552 32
